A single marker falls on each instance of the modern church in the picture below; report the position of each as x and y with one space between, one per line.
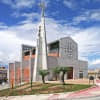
59 53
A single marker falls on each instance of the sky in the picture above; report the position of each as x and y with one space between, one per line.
80 19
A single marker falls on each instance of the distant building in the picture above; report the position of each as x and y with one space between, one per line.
94 73
3 74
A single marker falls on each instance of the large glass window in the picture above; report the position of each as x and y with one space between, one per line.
54 47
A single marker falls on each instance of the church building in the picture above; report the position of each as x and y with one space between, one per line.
59 53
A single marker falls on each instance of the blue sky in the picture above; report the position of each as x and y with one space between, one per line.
80 19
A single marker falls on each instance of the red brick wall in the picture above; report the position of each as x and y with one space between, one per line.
26 75
11 74
18 75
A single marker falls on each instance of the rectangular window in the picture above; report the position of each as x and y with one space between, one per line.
81 74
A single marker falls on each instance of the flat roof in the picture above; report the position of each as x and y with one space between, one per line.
51 41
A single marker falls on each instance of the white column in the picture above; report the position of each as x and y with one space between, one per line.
36 61
41 48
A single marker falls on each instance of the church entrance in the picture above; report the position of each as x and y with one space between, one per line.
70 74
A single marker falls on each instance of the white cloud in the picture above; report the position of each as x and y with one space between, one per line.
95 62
93 1
19 3
92 15
96 16
55 30
3 26
7 2
88 41
11 39
25 32
24 3
69 3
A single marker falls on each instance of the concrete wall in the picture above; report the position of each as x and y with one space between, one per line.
68 48
62 62
83 66
77 66
17 73
11 74
52 63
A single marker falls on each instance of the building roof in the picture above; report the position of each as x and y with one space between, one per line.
61 39
51 42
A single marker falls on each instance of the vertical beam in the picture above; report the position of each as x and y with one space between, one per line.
8 75
14 74
21 65
31 68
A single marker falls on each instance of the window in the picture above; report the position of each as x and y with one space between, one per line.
70 49
81 74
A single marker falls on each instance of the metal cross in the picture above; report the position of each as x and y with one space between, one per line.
42 5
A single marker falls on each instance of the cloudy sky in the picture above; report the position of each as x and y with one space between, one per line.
80 19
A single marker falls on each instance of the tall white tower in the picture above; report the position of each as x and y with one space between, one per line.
41 48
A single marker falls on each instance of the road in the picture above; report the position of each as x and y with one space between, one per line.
90 98
45 98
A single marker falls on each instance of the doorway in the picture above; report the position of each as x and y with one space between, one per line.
70 73
81 74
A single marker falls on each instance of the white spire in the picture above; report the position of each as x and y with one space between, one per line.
42 5
41 47
43 35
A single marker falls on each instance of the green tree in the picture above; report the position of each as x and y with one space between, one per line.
56 72
43 74
31 82
64 70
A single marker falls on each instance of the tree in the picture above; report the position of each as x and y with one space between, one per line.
56 72
43 74
31 81
64 70
12 83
